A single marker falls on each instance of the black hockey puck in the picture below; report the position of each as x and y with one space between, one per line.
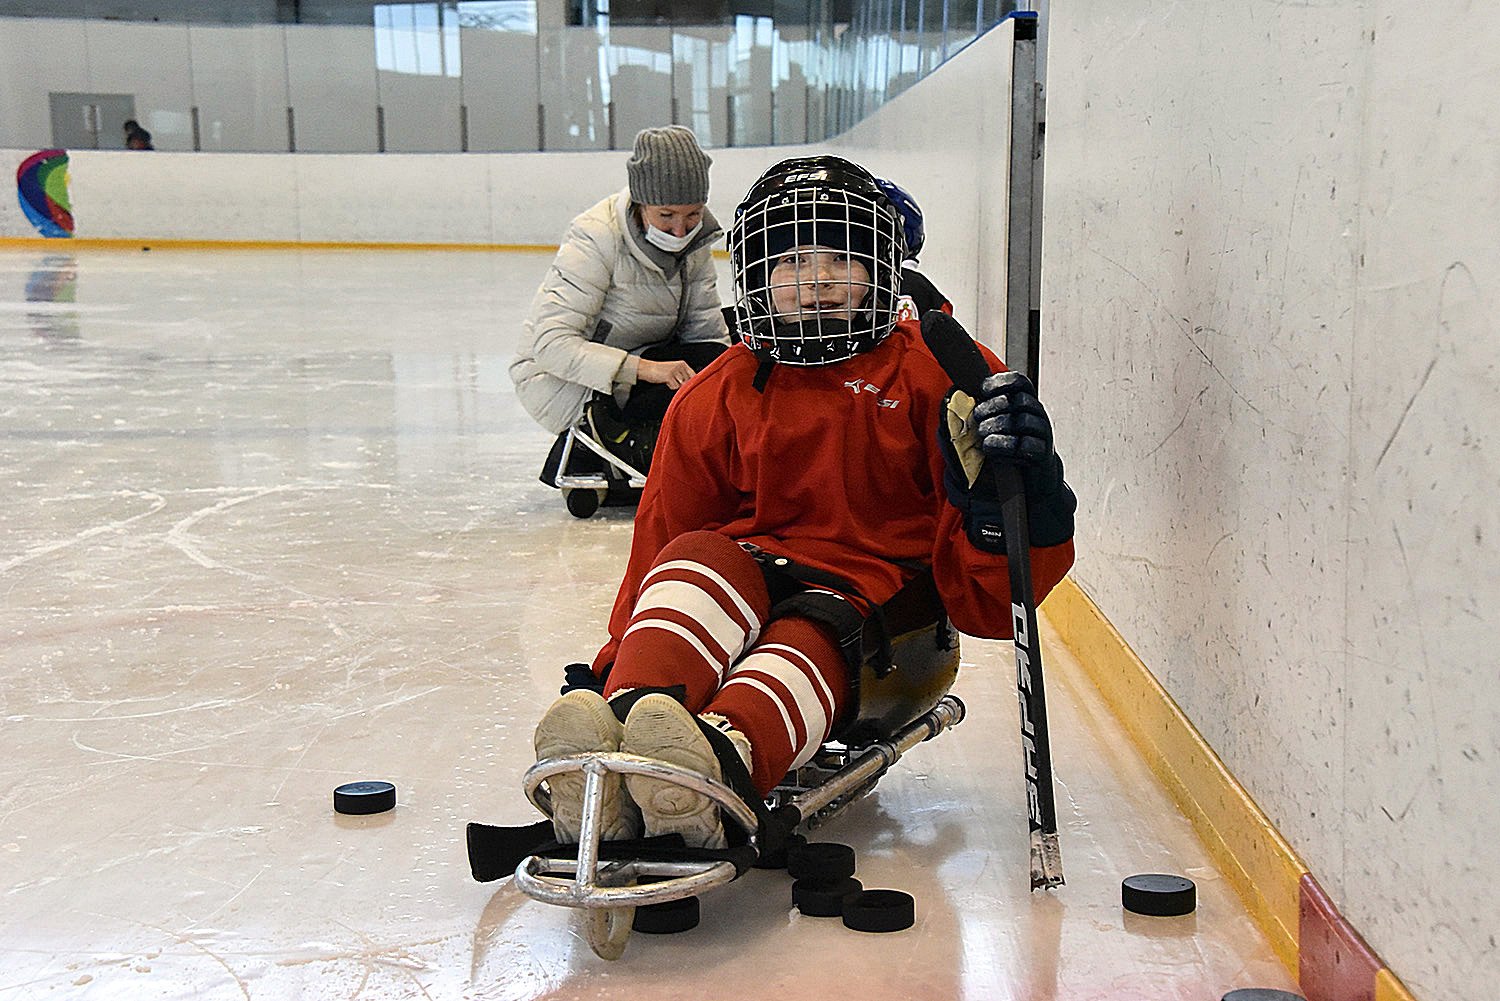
364 797
879 910
667 917
1262 994
826 861
821 898
1159 894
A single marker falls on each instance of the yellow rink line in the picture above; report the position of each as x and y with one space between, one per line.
140 243
136 243
1388 988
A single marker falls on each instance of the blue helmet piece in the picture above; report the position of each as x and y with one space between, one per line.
911 215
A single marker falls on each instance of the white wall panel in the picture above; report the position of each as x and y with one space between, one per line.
500 89
530 198
1196 344
536 195
421 112
151 62
640 84
791 101
571 91
331 84
13 221
239 86
751 85
37 57
184 196
1424 526
394 198
700 78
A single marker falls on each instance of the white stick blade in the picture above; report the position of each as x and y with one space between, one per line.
1046 860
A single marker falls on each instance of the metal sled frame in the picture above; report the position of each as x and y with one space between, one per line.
590 885
594 481
607 890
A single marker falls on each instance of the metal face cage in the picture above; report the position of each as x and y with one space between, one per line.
817 265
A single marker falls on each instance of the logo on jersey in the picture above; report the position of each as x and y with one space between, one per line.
857 386
906 309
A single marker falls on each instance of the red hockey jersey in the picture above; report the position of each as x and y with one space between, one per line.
835 466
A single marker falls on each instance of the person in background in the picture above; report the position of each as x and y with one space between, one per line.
136 137
915 286
629 310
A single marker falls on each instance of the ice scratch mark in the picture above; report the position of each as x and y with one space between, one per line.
191 943
178 537
1144 561
397 956
1109 492
1456 268
1433 724
175 755
237 894
35 306
168 755
210 704
391 704
297 765
39 551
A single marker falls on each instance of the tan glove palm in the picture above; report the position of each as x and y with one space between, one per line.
959 417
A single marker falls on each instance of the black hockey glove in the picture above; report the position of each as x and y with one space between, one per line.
1008 425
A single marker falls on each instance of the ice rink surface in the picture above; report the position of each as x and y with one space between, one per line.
270 522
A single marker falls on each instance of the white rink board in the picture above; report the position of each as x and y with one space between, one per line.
1269 291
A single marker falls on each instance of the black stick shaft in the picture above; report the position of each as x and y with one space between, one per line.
966 366
1042 806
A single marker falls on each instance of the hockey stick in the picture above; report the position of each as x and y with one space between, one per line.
962 361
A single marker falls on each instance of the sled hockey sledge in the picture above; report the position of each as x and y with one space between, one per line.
609 891
899 707
604 457
583 492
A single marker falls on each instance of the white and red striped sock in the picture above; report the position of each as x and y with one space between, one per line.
699 609
785 696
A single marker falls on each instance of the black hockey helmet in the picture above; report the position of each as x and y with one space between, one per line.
819 201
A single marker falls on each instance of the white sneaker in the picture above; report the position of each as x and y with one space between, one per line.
580 722
658 727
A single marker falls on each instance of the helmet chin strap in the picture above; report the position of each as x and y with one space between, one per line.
796 333
819 328
817 333
763 370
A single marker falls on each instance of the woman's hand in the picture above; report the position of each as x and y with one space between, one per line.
671 374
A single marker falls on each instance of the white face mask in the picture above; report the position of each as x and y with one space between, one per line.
666 241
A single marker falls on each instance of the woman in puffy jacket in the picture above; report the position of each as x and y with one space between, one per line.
630 307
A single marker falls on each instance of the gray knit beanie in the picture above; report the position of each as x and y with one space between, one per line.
668 168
